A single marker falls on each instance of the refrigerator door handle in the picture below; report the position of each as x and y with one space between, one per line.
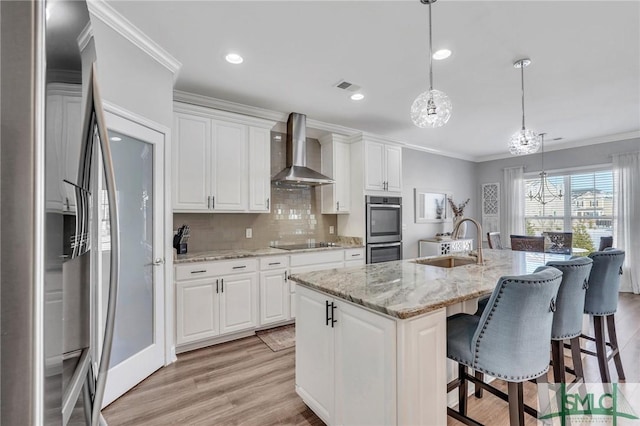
110 183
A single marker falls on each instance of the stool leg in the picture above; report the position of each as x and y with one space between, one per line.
479 376
516 404
613 338
462 389
557 357
577 358
601 349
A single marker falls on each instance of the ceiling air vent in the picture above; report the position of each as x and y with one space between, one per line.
345 85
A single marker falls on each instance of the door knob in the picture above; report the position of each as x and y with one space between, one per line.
158 261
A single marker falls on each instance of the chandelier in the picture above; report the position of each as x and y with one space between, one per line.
524 141
433 107
547 192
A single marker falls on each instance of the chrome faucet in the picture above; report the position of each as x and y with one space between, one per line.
456 231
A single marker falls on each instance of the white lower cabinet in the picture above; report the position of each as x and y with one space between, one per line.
215 298
345 361
274 296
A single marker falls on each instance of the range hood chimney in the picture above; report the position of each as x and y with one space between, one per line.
297 173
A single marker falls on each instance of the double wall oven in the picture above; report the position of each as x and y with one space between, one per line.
384 228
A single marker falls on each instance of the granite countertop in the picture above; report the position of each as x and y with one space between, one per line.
226 254
404 289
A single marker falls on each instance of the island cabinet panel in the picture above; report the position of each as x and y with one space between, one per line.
365 367
422 357
274 296
315 353
345 361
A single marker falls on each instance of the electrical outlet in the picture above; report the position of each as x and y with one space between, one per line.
248 233
331 229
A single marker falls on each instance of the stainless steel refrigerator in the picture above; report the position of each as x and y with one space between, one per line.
53 149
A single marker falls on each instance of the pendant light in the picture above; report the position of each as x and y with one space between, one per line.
433 107
524 141
547 191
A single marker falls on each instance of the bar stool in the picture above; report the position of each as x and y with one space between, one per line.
567 320
510 341
601 302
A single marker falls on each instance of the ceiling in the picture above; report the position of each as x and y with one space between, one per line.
583 84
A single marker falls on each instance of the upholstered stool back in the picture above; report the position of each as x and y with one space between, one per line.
567 320
604 282
511 341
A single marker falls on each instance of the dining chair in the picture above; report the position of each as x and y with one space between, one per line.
605 242
527 243
559 242
493 239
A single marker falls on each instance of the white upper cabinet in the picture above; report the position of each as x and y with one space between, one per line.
221 161
63 130
335 154
383 167
259 169
191 161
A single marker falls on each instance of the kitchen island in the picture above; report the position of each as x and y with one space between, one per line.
371 340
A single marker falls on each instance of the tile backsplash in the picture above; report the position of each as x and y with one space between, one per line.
295 214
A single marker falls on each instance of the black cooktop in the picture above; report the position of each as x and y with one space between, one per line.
304 246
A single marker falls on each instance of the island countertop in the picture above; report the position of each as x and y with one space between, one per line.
404 289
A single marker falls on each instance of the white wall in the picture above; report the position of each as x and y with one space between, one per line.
130 78
441 174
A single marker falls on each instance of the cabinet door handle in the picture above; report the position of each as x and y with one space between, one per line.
333 314
286 278
209 201
216 285
199 272
222 285
326 307
213 202
338 206
267 204
239 267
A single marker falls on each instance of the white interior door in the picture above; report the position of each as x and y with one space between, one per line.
138 343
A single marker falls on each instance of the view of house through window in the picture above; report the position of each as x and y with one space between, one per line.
586 207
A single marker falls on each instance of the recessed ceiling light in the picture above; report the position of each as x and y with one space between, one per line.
442 54
234 58
357 97
116 139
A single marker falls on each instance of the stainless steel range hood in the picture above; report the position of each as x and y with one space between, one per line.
297 173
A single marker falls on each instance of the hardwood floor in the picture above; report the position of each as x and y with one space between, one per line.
244 382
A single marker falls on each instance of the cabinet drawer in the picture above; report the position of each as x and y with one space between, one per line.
353 254
317 257
273 262
210 269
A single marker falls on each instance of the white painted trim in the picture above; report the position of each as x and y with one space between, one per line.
221 104
570 170
85 37
574 144
207 112
112 18
65 89
169 294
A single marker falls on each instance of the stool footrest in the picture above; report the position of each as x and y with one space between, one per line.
462 418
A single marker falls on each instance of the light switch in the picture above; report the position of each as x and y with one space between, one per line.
248 233
331 229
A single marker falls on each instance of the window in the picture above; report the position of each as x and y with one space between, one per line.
586 208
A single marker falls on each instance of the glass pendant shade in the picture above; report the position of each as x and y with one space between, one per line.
524 141
431 109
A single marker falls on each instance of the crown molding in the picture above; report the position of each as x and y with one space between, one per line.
568 145
206 112
221 104
114 20
85 36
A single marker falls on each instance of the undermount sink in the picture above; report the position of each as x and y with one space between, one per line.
447 261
